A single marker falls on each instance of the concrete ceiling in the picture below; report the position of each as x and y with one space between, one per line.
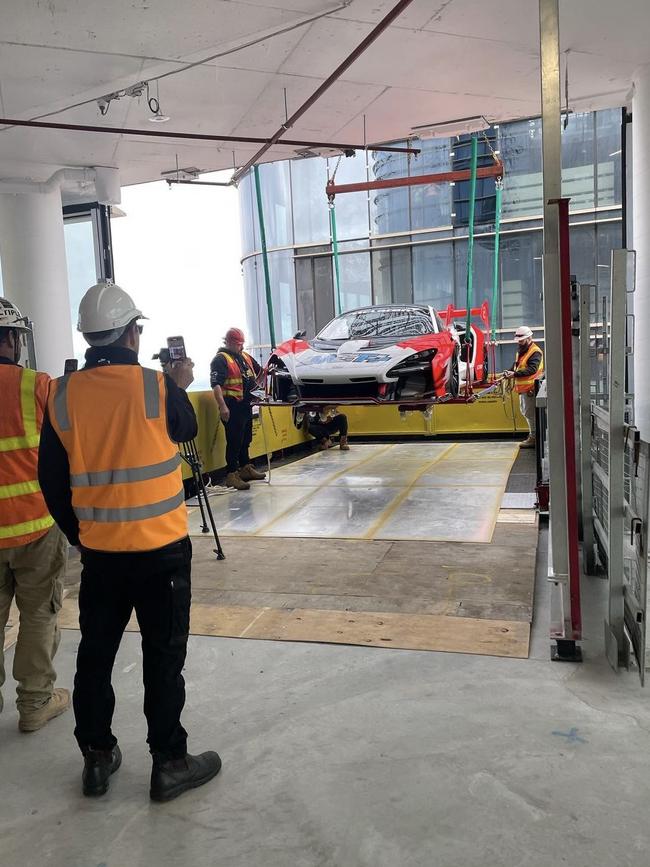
442 59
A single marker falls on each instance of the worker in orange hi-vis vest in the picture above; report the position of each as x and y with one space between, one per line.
527 371
111 475
33 551
233 377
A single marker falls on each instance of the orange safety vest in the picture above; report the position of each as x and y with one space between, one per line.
125 475
23 513
234 382
524 384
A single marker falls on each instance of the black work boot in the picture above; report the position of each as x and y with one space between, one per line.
171 777
98 767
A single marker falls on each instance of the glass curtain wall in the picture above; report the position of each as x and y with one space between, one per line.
409 244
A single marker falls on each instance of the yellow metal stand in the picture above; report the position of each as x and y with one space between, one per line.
278 432
491 414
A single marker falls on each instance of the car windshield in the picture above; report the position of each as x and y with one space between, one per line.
378 322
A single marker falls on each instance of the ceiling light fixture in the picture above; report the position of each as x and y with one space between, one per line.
159 117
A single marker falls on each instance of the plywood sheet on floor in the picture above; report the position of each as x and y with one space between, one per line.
413 491
377 629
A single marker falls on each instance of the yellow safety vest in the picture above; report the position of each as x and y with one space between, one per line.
524 384
125 475
233 385
23 514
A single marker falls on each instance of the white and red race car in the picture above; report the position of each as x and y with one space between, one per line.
387 354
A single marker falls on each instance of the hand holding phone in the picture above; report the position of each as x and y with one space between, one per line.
176 346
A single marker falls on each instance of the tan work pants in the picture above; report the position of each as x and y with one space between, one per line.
527 404
33 575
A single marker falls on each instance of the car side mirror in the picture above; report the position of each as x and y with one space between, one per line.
299 335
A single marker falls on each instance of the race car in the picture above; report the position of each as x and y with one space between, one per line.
387 354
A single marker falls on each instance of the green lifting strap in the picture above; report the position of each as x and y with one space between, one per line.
495 278
265 257
470 238
335 252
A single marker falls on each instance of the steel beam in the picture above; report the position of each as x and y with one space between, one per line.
552 185
197 136
494 171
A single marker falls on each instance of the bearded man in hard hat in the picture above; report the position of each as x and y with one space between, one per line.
527 370
33 551
233 376
110 472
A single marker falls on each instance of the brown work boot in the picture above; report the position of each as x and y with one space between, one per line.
343 444
528 443
234 480
250 474
325 444
34 720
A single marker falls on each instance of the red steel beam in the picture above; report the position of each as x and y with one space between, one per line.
385 22
195 136
569 423
494 171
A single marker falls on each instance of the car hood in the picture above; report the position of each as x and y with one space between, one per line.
354 358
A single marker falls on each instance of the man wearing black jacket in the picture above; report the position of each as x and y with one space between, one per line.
110 474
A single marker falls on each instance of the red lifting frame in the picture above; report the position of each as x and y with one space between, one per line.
494 171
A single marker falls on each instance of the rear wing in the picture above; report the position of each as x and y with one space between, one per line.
451 313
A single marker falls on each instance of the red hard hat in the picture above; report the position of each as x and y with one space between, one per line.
234 335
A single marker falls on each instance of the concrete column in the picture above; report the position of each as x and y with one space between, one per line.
34 271
640 241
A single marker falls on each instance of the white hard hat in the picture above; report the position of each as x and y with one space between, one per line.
523 332
106 307
11 317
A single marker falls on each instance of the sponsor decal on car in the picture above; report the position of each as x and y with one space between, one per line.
347 357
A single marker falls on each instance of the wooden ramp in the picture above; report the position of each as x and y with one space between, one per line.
400 631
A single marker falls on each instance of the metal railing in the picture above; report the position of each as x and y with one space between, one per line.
615 465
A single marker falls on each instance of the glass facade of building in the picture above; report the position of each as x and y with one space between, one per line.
409 244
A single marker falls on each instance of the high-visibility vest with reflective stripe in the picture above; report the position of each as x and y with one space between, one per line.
23 513
125 475
524 384
234 383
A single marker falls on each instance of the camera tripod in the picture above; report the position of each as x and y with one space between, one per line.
190 455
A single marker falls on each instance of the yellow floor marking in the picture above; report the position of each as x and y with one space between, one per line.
319 488
399 499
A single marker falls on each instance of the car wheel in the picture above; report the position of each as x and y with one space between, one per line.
453 386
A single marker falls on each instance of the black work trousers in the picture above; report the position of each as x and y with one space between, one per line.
324 430
157 585
239 434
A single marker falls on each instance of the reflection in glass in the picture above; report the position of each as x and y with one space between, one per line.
310 213
356 290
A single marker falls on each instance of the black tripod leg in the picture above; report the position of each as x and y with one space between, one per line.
204 501
192 459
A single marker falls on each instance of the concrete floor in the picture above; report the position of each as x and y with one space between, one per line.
354 757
